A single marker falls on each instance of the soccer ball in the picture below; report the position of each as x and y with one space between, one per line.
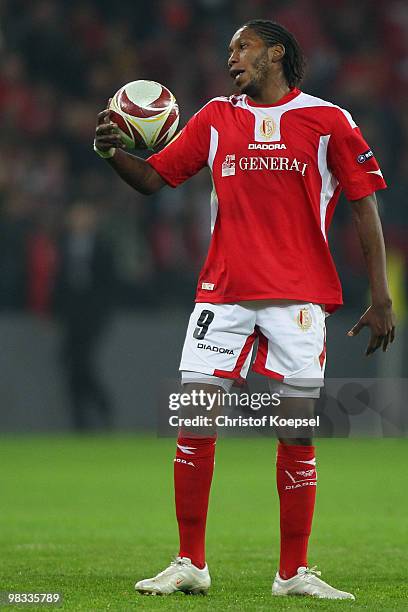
146 113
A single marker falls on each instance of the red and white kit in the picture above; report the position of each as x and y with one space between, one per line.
277 174
291 341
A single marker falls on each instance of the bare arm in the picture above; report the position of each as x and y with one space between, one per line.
379 316
135 171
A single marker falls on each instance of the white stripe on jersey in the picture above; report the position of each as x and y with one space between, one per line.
303 100
213 147
329 182
211 155
213 207
276 112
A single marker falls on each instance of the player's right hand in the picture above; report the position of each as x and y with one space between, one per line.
107 135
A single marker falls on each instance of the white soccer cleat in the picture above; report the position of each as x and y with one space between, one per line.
306 582
181 575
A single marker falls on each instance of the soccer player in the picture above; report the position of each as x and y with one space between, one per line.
278 159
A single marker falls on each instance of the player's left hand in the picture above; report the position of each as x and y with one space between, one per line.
381 321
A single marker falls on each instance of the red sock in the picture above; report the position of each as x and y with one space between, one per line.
296 481
193 470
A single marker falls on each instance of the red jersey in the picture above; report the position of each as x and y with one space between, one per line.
277 173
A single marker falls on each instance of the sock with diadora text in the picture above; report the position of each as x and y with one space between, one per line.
193 470
296 482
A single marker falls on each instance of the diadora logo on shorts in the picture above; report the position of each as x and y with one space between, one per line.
178 460
228 166
215 349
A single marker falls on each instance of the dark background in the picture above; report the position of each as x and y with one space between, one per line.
96 278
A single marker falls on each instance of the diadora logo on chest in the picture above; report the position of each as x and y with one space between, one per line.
267 146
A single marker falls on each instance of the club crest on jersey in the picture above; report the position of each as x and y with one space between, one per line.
304 319
267 127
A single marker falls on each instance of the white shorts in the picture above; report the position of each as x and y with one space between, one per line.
291 339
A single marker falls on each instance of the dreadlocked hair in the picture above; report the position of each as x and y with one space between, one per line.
272 33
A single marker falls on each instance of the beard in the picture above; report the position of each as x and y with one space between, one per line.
259 75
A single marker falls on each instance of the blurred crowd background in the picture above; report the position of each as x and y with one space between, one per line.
75 242
61 61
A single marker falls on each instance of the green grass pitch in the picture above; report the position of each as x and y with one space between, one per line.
89 516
